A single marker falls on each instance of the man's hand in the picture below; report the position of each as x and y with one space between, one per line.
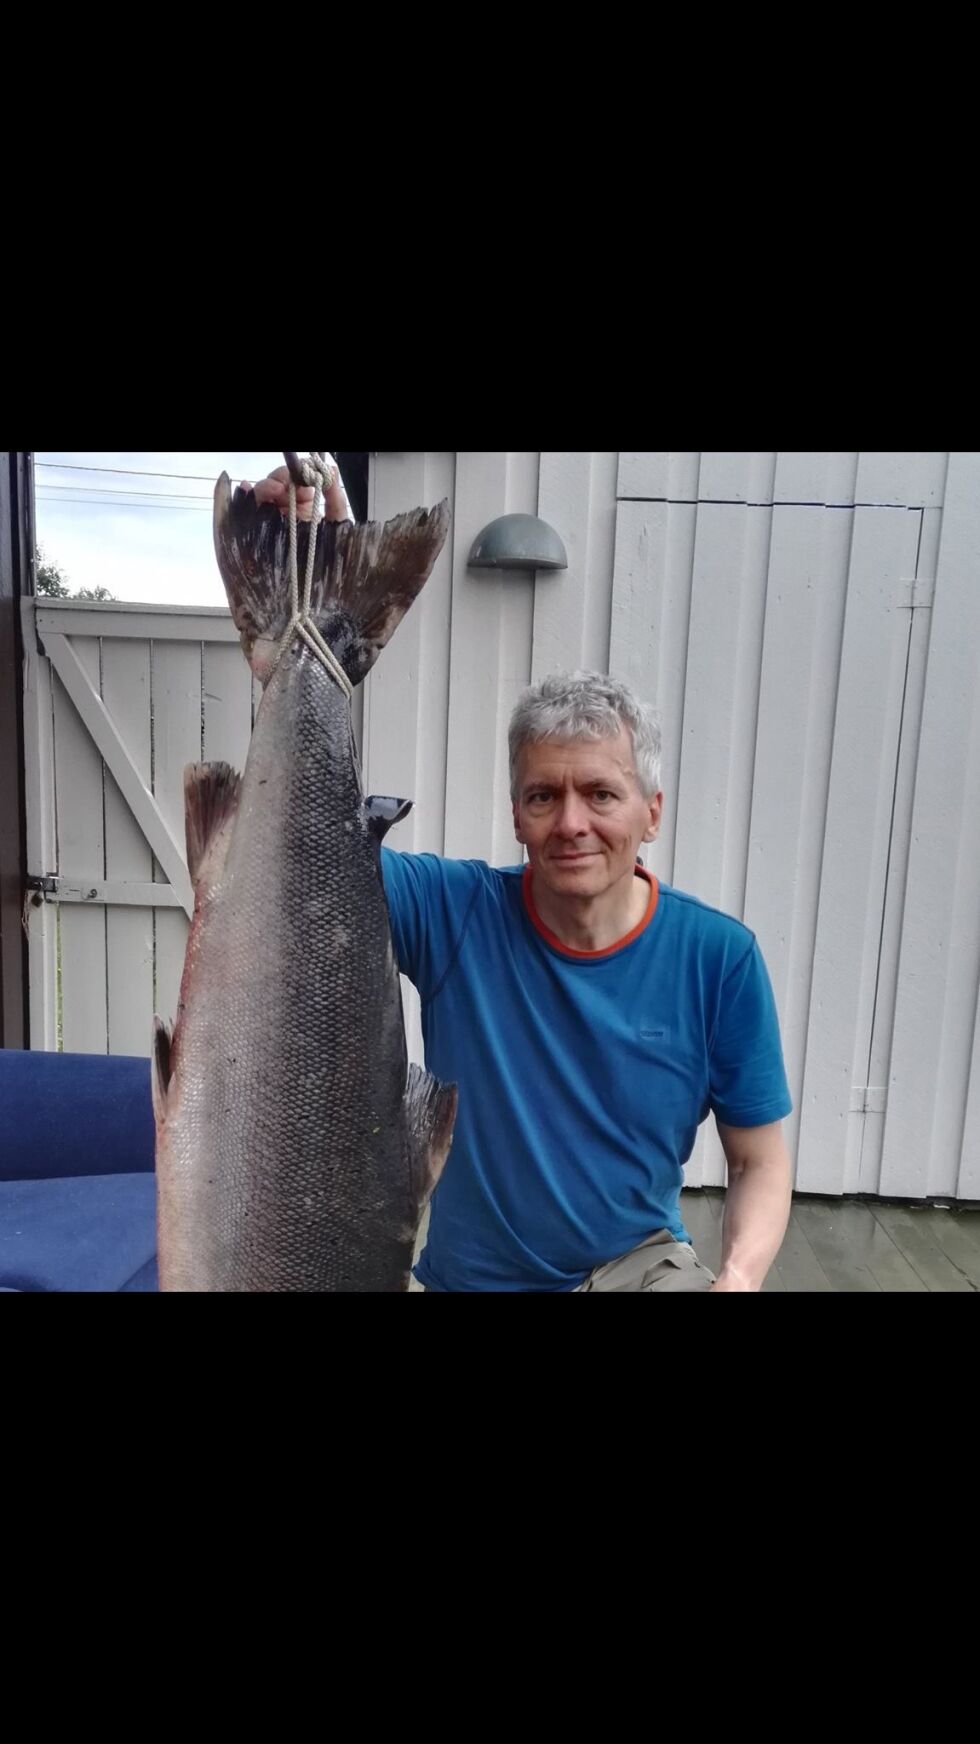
729 1280
757 1204
275 489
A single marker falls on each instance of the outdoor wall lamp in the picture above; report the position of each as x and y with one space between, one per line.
518 542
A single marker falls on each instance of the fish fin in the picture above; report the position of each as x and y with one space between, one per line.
382 811
210 801
431 1111
251 545
163 1036
365 576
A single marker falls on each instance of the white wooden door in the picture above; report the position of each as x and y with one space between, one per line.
773 605
118 699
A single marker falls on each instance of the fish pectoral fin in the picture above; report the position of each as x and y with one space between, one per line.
210 801
160 1067
381 811
431 1110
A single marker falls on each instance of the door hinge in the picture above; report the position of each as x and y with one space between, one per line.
868 1098
917 595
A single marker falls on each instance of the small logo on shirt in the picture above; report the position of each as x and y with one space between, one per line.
655 1032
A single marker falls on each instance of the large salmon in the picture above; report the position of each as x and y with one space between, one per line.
296 1147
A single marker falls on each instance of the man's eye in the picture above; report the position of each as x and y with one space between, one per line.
603 793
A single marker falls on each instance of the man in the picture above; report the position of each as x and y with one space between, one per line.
592 1018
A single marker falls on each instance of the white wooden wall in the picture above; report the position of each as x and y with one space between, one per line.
809 626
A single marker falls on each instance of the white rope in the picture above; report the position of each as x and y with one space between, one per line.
318 472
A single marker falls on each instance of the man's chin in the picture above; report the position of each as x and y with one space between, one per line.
575 875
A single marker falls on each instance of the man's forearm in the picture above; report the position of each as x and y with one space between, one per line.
757 1211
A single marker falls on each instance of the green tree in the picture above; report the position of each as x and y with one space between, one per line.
51 580
53 583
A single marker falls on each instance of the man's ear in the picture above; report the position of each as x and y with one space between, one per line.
651 833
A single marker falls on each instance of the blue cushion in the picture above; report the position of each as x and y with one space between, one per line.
90 1232
74 1114
77 1188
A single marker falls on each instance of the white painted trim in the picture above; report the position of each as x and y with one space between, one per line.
149 623
99 608
41 842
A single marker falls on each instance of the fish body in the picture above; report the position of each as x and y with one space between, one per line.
296 1147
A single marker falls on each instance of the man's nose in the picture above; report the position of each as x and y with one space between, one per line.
573 817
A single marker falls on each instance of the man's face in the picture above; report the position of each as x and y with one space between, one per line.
580 813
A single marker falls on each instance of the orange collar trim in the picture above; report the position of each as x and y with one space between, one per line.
607 951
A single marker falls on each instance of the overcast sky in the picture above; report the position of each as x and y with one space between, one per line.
107 524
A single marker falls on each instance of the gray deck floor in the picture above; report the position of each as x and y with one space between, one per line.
847 1244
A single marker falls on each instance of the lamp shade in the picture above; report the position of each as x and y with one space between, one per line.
518 542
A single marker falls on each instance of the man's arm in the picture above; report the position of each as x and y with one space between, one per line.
758 1203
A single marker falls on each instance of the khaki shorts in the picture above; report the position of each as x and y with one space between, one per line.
659 1263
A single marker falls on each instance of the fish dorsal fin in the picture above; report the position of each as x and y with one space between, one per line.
382 811
365 576
210 801
430 1109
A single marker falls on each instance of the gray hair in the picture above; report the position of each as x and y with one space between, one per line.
586 705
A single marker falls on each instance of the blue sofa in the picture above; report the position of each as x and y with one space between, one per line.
77 1188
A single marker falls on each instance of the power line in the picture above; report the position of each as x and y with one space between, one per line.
108 491
95 503
122 471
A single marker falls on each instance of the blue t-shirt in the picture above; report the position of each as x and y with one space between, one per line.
582 1078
